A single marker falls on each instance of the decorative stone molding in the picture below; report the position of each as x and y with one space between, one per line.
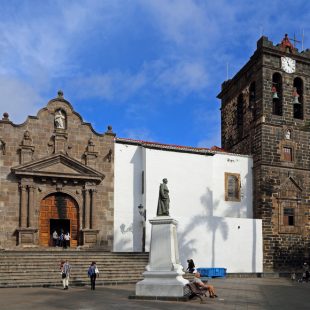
90 154
58 166
26 149
5 117
60 141
109 155
2 146
110 131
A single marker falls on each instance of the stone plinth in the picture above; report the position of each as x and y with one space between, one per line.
26 236
90 237
163 275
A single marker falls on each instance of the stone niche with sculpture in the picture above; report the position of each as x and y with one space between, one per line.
57 174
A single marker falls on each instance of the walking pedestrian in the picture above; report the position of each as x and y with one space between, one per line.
65 273
93 273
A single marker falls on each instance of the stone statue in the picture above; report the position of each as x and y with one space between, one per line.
59 120
163 199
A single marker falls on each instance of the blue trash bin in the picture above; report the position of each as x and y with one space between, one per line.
212 272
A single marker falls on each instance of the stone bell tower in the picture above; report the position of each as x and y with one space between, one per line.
265 112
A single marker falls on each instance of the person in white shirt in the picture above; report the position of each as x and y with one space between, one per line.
55 238
67 240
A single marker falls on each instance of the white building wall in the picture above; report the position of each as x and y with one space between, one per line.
127 196
232 164
212 231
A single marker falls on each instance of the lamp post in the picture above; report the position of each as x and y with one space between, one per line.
142 212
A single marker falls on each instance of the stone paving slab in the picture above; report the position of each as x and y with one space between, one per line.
250 294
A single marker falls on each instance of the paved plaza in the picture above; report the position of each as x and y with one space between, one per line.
258 293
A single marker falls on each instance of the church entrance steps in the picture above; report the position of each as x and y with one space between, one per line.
41 268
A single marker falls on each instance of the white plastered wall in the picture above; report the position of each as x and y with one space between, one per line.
212 231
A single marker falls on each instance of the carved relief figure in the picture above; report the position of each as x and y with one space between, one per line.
287 134
59 120
163 199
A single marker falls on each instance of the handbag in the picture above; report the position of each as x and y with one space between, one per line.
96 270
63 275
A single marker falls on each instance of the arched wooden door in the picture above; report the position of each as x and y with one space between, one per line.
58 211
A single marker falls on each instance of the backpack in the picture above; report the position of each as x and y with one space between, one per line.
91 271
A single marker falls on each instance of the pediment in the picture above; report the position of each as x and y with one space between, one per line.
58 166
291 185
290 189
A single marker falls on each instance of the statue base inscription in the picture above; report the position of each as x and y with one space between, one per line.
163 275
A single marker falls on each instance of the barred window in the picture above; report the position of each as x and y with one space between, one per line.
288 154
232 186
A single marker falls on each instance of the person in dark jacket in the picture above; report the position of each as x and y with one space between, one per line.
93 273
191 266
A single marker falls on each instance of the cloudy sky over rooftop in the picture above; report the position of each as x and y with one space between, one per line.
150 68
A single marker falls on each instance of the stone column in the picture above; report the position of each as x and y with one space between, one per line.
23 207
87 208
92 208
89 233
31 206
26 235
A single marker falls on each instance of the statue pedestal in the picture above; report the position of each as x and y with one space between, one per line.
163 275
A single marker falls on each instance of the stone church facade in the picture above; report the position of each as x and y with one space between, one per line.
265 113
56 173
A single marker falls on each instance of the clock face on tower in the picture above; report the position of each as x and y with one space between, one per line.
288 64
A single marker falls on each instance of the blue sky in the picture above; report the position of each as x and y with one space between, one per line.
150 68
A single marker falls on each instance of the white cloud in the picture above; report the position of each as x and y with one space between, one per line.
179 21
213 139
48 37
114 85
138 134
180 78
184 77
18 99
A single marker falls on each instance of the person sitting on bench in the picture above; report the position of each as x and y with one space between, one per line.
204 286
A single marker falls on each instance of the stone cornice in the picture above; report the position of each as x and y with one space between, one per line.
58 166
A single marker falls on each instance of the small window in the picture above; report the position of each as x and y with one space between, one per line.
232 187
287 154
288 217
